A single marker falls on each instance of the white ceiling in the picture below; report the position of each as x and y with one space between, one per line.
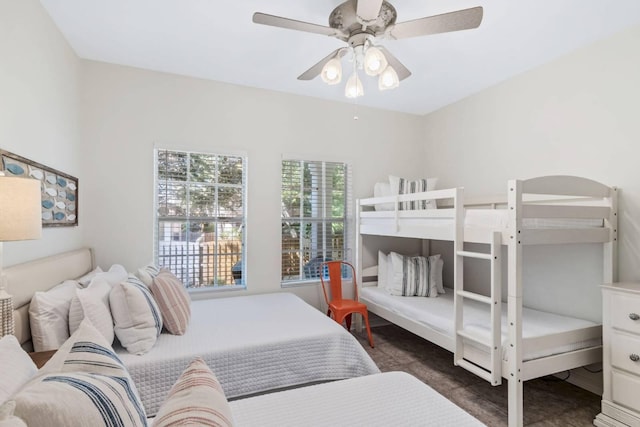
216 39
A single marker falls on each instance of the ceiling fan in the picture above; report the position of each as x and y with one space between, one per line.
361 24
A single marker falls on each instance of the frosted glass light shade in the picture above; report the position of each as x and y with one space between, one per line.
353 89
20 209
332 72
374 61
388 79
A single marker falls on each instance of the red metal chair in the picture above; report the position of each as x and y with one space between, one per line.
340 307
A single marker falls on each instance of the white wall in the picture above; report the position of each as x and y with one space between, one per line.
125 111
574 116
38 109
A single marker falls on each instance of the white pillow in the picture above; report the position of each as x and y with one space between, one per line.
382 189
7 419
410 276
86 279
115 275
148 273
404 186
84 384
382 269
137 318
49 316
16 367
93 303
435 272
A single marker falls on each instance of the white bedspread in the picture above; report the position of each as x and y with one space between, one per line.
437 313
253 344
388 399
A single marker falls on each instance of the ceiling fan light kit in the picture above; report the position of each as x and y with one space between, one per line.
360 23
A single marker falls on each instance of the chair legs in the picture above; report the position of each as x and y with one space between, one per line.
347 317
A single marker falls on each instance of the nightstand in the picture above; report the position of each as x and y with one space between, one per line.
621 357
41 357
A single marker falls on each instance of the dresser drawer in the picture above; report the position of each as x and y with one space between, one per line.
626 389
625 348
625 308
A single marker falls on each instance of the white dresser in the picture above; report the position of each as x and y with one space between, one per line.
621 358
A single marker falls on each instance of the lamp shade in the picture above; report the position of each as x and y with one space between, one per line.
20 209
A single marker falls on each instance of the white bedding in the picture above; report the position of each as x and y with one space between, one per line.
494 219
388 399
437 313
253 344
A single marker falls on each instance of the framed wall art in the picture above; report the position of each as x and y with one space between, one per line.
59 190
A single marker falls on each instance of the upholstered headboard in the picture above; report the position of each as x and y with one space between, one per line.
23 280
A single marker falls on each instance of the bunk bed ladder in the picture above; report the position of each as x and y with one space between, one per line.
494 341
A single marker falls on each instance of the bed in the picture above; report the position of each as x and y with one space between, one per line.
267 342
387 399
492 339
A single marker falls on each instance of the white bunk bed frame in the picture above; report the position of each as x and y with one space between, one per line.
549 197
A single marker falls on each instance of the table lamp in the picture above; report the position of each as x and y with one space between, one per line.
20 219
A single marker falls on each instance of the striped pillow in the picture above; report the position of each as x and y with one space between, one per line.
173 301
147 273
137 318
84 384
195 399
403 186
410 276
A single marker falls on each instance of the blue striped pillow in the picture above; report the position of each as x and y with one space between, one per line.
137 318
84 384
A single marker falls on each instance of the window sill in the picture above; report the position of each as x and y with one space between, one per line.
299 283
205 292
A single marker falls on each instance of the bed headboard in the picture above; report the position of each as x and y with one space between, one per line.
23 280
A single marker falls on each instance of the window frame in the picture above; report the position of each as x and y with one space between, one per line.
203 290
348 235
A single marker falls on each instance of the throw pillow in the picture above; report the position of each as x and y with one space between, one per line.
137 318
86 279
49 316
173 300
410 276
16 367
148 273
92 302
84 384
196 396
404 186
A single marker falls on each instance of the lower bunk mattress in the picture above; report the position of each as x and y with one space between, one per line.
388 399
253 344
438 314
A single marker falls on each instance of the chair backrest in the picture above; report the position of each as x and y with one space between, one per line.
335 280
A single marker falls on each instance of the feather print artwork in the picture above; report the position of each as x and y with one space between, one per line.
71 206
71 217
50 178
47 204
71 197
50 191
60 205
62 182
59 216
71 186
62 194
14 168
35 173
47 215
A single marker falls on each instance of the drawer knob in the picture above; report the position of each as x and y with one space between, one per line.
633 316
634 357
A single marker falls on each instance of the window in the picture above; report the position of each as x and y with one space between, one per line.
200 217
315 209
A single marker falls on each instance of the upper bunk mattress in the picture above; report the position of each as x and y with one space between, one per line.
253 344
494 219
437 313
388 399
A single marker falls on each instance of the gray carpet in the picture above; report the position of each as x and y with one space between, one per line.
548 401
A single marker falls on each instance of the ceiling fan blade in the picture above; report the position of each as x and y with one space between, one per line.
402 71
453 21
315 71
368 10
292 24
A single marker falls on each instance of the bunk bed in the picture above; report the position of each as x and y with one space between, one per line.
515 342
